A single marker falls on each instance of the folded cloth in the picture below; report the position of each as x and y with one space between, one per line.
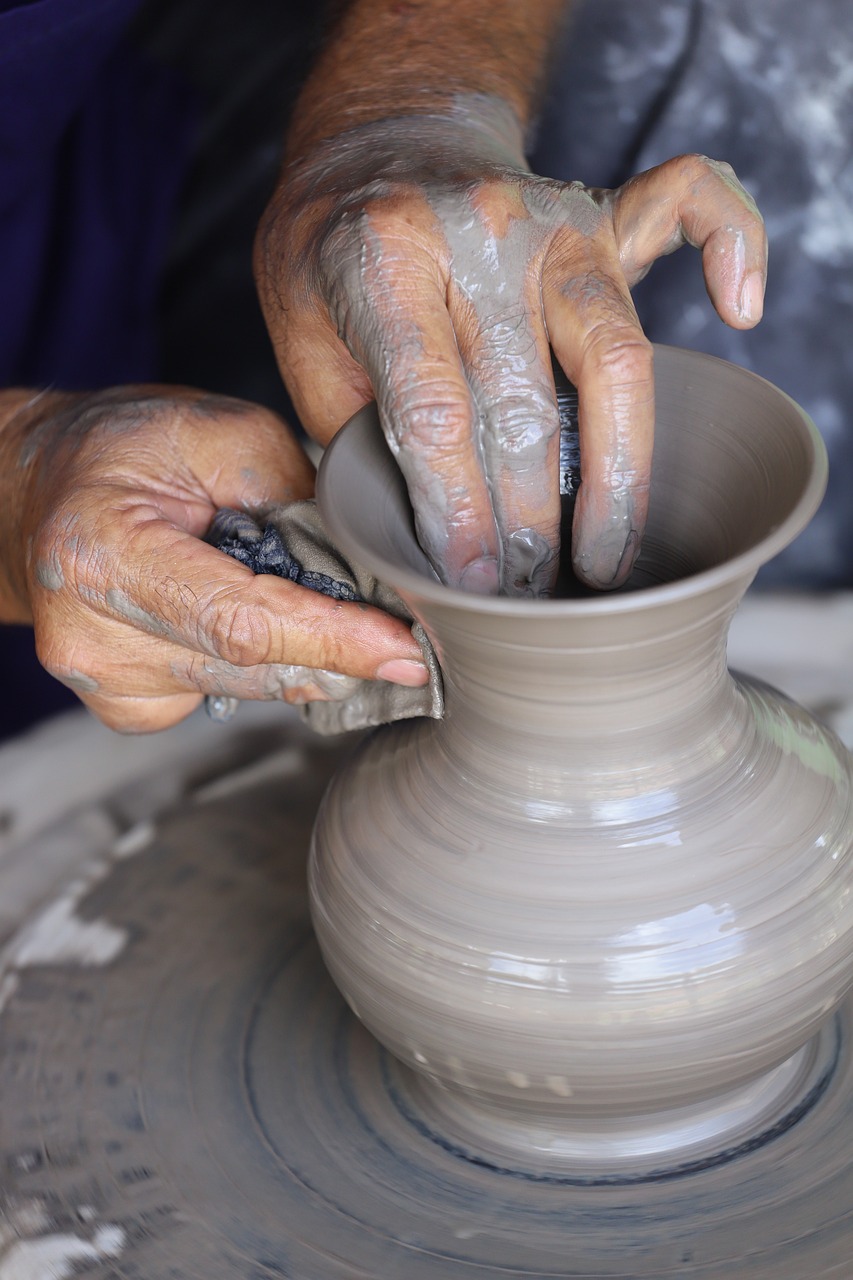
293 543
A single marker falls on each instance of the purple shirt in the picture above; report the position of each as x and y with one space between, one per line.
93 145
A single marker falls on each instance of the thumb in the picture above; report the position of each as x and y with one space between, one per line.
701 202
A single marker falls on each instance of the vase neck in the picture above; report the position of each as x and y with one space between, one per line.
601 681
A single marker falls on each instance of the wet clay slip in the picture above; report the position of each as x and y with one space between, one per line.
602 913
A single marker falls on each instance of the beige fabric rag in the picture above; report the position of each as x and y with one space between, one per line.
291 541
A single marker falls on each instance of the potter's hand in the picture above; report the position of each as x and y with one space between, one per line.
418 261
108 496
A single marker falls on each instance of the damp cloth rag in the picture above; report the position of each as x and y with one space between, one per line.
293 543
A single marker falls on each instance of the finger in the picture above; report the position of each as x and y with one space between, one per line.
274 682
600 344
130 665
508 364
140 715
327 386
700 201
116 670
398 326
163 582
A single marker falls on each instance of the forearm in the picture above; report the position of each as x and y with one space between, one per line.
14 602
412 57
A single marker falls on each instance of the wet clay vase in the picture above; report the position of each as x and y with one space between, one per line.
602 912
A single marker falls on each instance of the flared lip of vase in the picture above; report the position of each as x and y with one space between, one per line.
410 583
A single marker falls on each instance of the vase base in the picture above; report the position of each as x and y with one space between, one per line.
207 1104
625 1147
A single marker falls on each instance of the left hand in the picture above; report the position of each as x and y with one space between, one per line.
131 609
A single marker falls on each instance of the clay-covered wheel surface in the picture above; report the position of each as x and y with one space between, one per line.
195 1100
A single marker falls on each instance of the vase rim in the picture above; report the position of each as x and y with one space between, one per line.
410 582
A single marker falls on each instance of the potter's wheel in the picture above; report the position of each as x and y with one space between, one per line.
185 1094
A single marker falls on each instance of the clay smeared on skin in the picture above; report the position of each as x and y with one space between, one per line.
513 412
509 374
120 603
529 563
615 546
380 338
79 681
58 553
607 536
114 410
218 406
610 513
285 682
511 377
49 575
110 559
448 270
494 222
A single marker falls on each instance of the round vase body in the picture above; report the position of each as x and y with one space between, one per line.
602 909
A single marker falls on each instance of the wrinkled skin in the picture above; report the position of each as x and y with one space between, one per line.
418 262
113 492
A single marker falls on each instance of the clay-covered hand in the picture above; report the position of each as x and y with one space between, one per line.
110 495
419 262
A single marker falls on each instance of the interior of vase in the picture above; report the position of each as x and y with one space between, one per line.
738 470
734 460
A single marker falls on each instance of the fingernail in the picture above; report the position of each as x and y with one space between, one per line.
595 565
403 671
751 301
480 577
530 564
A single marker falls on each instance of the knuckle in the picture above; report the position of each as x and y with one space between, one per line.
325 647
567 212
548 196
619 355
720 168
377 210
697 168
524 423
430 418
692 163
237 631
389 219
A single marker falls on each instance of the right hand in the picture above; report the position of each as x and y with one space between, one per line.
418 262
